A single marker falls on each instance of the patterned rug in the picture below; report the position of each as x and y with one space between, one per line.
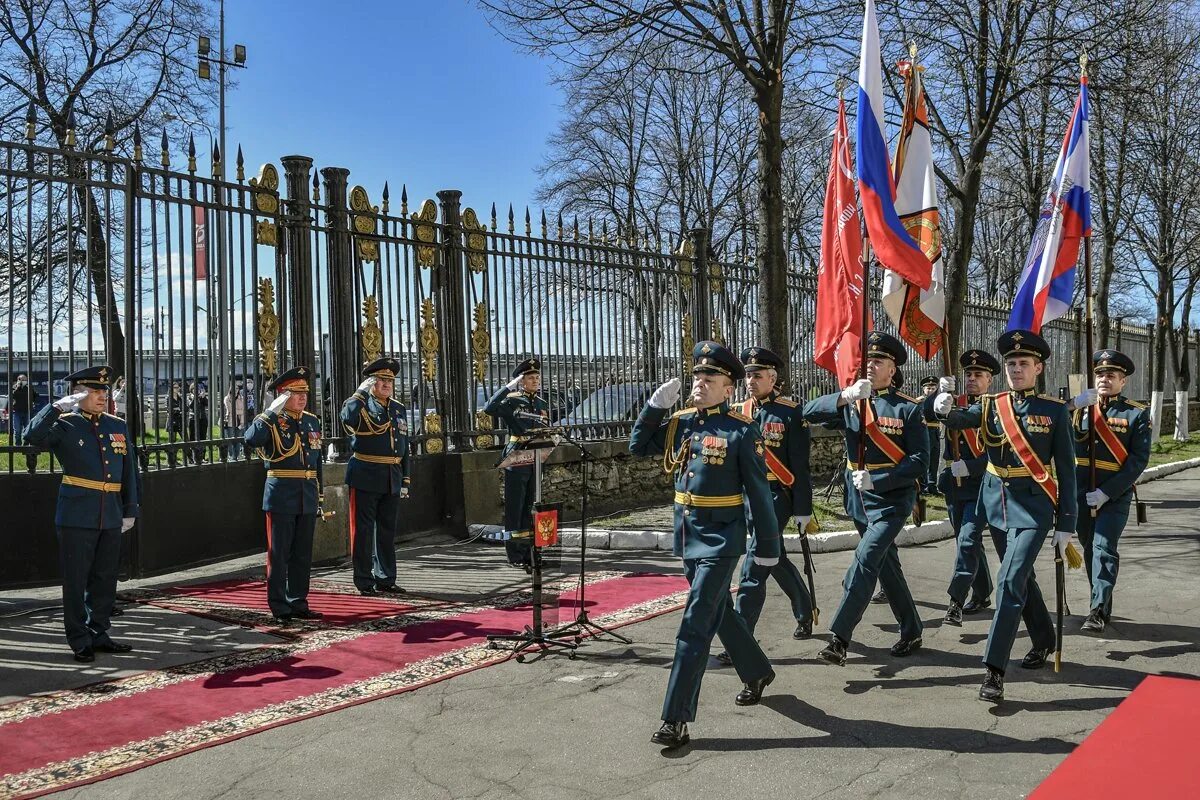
71 738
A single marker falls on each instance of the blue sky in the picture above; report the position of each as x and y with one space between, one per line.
426 94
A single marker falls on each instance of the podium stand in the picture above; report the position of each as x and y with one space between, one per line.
535 636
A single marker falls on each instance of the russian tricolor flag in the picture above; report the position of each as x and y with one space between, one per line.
893 247
1048 279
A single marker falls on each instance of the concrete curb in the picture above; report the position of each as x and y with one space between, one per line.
827 542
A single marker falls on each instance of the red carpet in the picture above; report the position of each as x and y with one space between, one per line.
81 736
1146 748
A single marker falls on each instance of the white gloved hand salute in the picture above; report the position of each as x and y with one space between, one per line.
1088 397
943 403
666 395
279 402
514 383
862 480
959 469
947 384
70 401
859 390
367 385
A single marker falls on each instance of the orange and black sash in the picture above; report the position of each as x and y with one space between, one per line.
1106 434
889 448
971 435
1020 445
776 466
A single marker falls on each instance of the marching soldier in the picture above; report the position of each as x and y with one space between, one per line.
288 439
97 502
929 388
1122 452
960 482
521 409
377 475
880 497
715 455
1023 432
786 440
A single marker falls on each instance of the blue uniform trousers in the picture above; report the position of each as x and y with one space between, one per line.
752 590
708 612
518 513
289 561
88 559
971 570
373 537
1099 537
1018 596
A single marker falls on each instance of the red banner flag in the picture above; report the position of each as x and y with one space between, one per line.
200 232
840 273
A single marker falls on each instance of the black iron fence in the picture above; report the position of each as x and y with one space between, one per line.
198 289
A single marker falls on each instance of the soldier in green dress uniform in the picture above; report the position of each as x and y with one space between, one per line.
715 456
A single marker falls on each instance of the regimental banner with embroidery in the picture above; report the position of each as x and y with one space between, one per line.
1020 445
878 429
772 437
971 435
1108 436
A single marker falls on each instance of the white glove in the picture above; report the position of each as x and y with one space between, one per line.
862 480
367 385
1061 538
765 562
859 390
1096 499
1088 397
959 469
514 383
943 403
70 401
802 523
666 395
127 523
279 402
404 493
947 384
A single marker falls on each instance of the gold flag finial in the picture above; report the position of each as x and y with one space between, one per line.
1083 62
912 50
839 86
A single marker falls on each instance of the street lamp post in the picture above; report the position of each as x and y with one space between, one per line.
223 286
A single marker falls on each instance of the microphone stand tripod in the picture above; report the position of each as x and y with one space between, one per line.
583 624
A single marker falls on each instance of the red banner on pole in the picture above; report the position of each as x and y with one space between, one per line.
840 273
200 233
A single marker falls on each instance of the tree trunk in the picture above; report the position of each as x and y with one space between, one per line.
960 258
771 255
102 287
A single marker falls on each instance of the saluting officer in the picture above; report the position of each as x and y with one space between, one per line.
1122 452
929 388
97 502
1023 433
715 455
786 449
377 475
522 409
960 482
288 439
880 497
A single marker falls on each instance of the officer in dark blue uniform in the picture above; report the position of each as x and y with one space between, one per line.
1024 433
929 388
786 449
880 497
97 502
1122 451
377 475
522 410
715 455
288 439
960 482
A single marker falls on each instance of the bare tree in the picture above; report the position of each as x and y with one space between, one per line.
78 68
